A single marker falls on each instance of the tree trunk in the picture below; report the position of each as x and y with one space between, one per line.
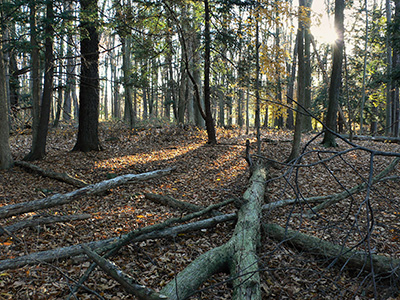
300 92
363 93
35 70
290 118
336 78
60 86
63 177
212 140
38 149
389 84
257 87
70 80
307 125
238 255
126 68
198 105
88 135
60 199
6 160
396 64
345 257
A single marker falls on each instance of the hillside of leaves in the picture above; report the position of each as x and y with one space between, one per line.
205 175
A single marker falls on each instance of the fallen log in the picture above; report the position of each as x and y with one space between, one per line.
125 280
383 139
60 199
238 255
171 202
63 177
343 256
107 244
42 221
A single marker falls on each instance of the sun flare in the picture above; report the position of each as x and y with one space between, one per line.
324 34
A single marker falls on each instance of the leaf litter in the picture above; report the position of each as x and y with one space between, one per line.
205 175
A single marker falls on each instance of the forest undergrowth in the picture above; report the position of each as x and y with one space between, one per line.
204 175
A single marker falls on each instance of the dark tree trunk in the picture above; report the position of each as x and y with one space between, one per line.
336 78
389 84
6 160
38 149
88 137
212 140
395 66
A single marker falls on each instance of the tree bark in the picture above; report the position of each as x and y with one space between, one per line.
210 127
124 279
356 260
38 150
65 252
63 177
60 199
6 160
88 136
300 93
42 221
238 255
336 77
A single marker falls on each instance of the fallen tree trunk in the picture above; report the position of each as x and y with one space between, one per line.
60 199
42 221
63 177
171 202
383 139
343 256
238 255
122 278
107 244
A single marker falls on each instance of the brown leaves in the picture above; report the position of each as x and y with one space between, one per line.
205 175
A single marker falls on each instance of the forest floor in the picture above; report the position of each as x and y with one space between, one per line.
205 175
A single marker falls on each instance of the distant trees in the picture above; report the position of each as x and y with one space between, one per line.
194 63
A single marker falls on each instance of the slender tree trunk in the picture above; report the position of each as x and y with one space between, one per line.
126 68
60 87
35 71
336 77
70 80
396 64
300 93
6 160
199 121
389 84
278 120
38 149
257 86
363 94
247 107
290 118
116 112
212 140
307 125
